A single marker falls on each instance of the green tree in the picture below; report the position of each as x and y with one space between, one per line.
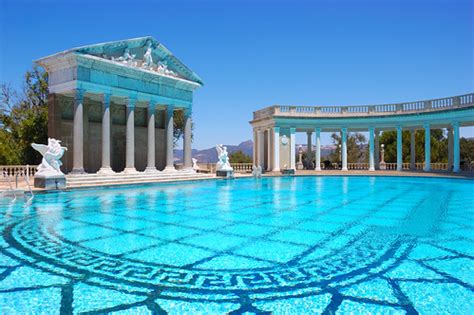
439 146
24 119
467 150
356 148
239 157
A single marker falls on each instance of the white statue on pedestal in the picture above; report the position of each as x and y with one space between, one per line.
52 154
195 165
223 159
163 68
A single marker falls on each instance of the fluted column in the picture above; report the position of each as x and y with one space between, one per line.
412 149
130 137
292 149
309 151
169 140
105 167
261 148
151 165
456 148
187 137
450 149
344 148
427 148
269 149
399 149
371 149
78 133
276 149
318 148
377 149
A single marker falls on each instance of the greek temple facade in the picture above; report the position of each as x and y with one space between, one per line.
274 129
113 106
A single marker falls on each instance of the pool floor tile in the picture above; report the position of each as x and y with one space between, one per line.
172 254
216 241
271 251
122 243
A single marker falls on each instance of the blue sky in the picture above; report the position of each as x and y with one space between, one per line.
252 54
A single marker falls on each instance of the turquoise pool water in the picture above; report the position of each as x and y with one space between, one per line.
280 245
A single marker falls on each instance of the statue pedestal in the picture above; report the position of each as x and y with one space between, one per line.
383 165
299 166
50 181
225 173
289 171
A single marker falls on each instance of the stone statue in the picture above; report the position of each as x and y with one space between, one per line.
257 171
163 68
147 58
195 165
223 159
127 58
52 154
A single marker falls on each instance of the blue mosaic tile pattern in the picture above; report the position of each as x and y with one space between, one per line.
330 245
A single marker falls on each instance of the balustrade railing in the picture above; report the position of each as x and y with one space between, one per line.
18 170
367 110
238 167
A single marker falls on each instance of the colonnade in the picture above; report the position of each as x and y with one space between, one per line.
273 135
78 136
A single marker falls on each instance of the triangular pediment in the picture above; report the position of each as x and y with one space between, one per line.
144 53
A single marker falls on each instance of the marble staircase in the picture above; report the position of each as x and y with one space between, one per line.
88 180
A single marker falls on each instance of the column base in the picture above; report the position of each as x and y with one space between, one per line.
130 170
344 169
189 169
399 169
78 170
276 169
318 169
456 170
371 169
105 171
151 169
169 169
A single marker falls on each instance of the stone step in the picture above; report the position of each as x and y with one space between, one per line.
93 180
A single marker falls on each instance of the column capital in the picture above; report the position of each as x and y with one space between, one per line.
79 94
372 129
426 125
344 129
292 130
399 128
106 98
317 129
309 132
276 129
455 124
131 102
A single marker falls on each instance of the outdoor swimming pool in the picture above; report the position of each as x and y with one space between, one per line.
282 245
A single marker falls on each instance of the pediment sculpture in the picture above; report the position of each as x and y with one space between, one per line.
52 154
147 62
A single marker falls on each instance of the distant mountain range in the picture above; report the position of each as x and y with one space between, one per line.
210 155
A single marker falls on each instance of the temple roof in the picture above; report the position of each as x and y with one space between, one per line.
137 47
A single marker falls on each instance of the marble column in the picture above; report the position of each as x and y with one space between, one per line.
269 149
412 149
377 149
456 148
130 137
371 149
309 151
276 149
318 149
105 167
427 148
344 148
151 165
169 139
450 149
187 139
261 148
399 149
292 149
78 133
255 147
